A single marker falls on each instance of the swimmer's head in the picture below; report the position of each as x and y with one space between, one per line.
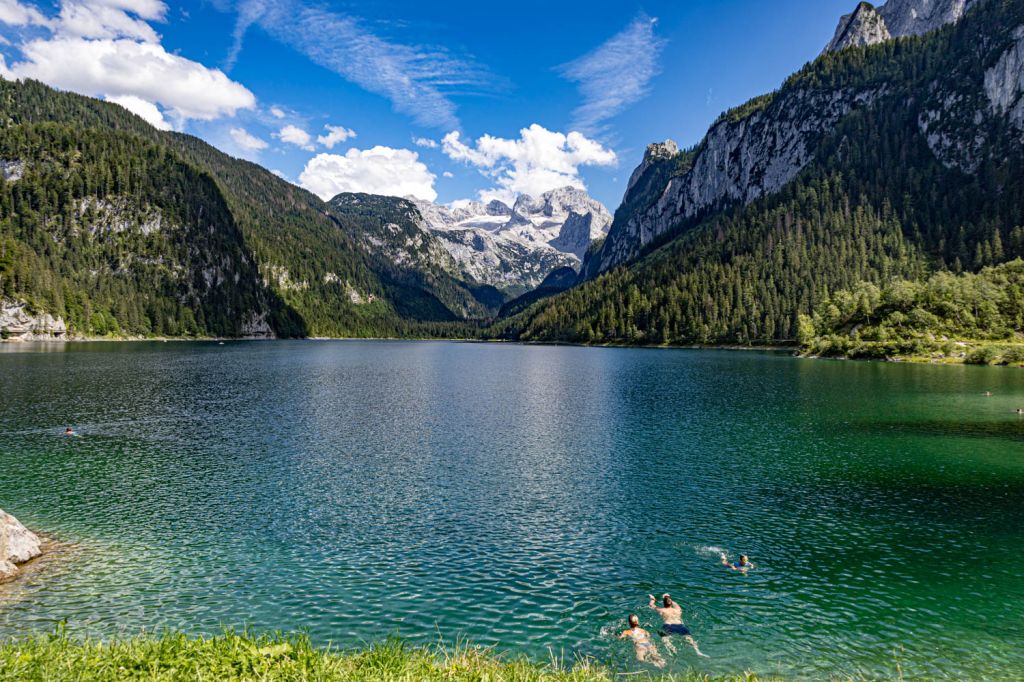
634 622
666 600
743 558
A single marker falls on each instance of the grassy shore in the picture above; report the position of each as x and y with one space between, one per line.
231 656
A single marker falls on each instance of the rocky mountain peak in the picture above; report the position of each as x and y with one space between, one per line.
514 248
865 26
868 25
656 151
495 207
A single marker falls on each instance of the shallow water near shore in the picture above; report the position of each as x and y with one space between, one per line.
525 497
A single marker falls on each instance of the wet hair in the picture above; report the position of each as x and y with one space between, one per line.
634 621
744 557
666 600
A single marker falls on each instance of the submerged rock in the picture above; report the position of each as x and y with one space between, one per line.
17 545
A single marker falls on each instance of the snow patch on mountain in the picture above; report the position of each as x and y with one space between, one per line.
515 247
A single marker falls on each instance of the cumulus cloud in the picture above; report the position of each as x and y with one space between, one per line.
96 20
616 74
145 110
246 140
295 135
277 112
335 134
106 48
540 160
418 80
448 174
380 170
425 142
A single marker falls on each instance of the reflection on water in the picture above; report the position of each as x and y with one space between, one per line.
526 497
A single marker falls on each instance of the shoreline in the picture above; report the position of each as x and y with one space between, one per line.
791 348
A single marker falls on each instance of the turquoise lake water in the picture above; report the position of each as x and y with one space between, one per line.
525 497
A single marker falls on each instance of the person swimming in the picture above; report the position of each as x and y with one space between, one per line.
646 652
672 616
69 432
743 566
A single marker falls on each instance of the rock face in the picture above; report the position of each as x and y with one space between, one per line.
1004 82
740 160
865 26
757 149
657 151
515 248
18 324
17 545
896 19
917 17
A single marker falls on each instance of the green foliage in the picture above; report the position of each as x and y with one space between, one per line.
959 316
115 235
237 657
747 109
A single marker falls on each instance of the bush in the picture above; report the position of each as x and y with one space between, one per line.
982 355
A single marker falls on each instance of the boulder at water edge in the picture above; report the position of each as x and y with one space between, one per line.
17 545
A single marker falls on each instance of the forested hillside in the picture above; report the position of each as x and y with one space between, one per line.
925 175
974 317
314 274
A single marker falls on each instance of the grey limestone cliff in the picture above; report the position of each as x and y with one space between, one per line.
865 26
868 25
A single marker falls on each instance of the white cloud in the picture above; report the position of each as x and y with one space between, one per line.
117 68
277 112
13 13
416 79
425 142
246 140
94 20
380 170
335 134
616 74
106 48
296 136
448 174
540 160
145 110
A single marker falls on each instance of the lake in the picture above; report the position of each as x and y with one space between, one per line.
524 497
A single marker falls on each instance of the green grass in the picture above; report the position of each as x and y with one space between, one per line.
231 656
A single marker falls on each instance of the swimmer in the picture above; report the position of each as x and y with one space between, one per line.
69 432
988 394
743 566
1020 410
672 615
646 652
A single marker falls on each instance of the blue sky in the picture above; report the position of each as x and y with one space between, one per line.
445 100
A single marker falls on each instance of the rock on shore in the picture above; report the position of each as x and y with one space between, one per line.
17 545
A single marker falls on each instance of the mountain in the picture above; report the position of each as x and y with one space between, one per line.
894 160
109 226
391 232
867 25
515 248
